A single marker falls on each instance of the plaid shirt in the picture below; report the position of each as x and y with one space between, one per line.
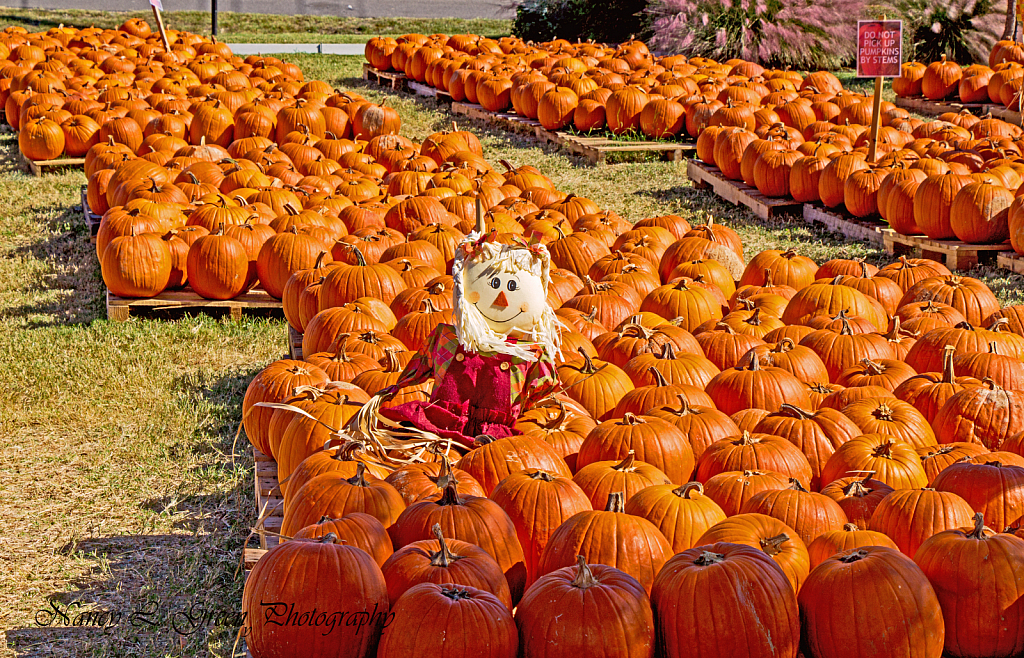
529 385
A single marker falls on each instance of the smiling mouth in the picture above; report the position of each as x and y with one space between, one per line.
498 321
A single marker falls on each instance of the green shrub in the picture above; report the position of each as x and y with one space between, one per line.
606 21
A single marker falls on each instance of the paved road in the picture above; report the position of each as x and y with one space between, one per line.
355 8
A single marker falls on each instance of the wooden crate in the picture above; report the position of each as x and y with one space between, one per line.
705 176
393 80
594 149
954 254
1006 114
421 89
120 308
294 343
1011 260
92 220
40 167
855 228
922 105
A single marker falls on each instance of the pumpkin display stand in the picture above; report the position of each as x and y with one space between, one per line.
120 308
1006 114
92 220
922 105
40 167
294 343
1011 260
425 90
390 79
837 220
594 149
705 176
953 254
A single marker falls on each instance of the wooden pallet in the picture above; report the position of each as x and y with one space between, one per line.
1011 260
393 80
120 308
922 105
955 254
40 167
594 149
856 228
421 89
705 176
92 220
294 344
1006 114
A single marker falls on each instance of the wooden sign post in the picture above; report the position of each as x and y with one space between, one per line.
158 6
879 56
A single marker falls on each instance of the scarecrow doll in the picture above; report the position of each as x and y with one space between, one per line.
494 362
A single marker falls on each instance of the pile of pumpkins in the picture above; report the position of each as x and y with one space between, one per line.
210 171
744 456
788 135
999 83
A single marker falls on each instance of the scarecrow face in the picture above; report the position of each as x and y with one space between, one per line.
508 301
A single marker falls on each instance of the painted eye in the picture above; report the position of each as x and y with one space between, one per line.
512 285
495 283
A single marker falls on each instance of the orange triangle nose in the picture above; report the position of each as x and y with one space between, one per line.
500 300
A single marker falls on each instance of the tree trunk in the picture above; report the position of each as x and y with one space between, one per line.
1010 26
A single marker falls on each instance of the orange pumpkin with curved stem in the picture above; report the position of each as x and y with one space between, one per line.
749 451
770 535
858 496
910 516
986 414
809 514
888 459
751 386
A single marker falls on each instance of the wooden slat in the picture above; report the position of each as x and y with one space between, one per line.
1011 260
954 254
294 343
92 220
119 308
922 105
391 79
855 228
40 167
739 193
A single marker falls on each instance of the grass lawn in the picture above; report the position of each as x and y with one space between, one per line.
123 486
235 27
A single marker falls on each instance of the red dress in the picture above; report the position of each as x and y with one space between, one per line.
474 392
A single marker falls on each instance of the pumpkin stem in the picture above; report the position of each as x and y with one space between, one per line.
873 367
978 532
659 378
668 352
450 495
755 318
794 411
948 376
999 324
855 556
359 479
584 576
329 538
360 258
588 364
850 527
543 476
993 348
615 502
746 439
884 450
795 485
991 383
754 363
707 558
773 545
392 364
444 475
443 557
627 463
684 490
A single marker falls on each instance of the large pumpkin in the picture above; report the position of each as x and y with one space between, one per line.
874 588
754 606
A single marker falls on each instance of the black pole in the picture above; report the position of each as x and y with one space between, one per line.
213 6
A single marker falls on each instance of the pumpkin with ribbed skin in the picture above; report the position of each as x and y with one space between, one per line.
595 384
681 513
894 418
702 426
910 516
977 576
296 571
785 267
493 460
608 536
331 494
751 452
283 255
418 482
751 386
136 265
899 606
928 392
479 521
936 459
986 414
599 479
683 300
731 489
356 529
758 620
538 502
566 614
217 266
809 514
993 489
768 534
816 434
932 202
623 109
442 560
839 351
858 496
41 139
976 214
889 460
653 440
830 298
969 296
429 615
850 536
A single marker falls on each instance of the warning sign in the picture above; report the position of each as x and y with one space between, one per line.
879 49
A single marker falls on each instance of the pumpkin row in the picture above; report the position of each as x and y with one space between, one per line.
999 82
